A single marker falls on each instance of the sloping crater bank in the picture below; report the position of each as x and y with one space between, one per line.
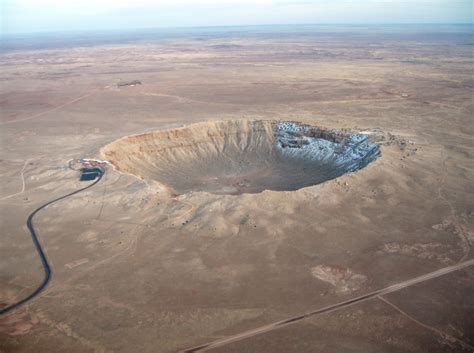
241 156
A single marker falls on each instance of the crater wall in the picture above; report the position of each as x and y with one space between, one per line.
241 156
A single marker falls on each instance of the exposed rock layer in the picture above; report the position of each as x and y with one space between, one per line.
241 156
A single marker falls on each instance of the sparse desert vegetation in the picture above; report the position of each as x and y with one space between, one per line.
138 267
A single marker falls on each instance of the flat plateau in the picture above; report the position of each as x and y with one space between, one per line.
137 268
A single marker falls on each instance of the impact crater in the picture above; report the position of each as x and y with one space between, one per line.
241 156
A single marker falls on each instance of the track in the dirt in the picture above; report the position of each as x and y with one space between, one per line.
49 110
243 335
331 308
39 249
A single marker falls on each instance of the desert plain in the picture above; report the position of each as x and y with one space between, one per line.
138 267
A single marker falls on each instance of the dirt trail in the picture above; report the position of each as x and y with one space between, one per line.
34 116
22 176
332 308
444 335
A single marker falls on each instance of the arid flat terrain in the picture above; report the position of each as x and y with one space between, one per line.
137 268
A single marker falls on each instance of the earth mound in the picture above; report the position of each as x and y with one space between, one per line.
241 156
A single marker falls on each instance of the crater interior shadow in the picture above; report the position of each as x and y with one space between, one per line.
242 156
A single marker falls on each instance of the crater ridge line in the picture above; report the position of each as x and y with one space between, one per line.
241 156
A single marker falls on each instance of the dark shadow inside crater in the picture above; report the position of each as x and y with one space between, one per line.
235 157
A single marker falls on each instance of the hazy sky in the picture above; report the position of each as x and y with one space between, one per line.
20 16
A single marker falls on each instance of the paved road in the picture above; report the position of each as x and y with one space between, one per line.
246 334
39 249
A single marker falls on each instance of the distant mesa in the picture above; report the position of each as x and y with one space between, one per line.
241 156
129 83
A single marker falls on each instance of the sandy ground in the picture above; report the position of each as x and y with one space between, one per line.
137 270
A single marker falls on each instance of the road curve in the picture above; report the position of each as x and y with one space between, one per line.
39 248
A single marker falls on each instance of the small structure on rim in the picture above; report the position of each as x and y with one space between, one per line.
90 169
90 173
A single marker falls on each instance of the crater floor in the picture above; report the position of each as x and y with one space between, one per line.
242 156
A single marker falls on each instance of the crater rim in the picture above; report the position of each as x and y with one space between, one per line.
241 156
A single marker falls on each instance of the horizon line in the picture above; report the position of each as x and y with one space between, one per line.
4 33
